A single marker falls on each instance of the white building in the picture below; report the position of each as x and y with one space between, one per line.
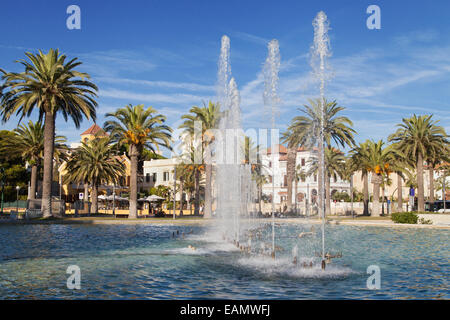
160 172
307 188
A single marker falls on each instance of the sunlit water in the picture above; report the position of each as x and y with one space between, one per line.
145 262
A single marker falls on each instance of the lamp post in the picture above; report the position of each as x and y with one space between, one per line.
174 189
2 181
114 201
351 195
17 199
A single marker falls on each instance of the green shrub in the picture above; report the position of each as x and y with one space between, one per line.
404 217
425 221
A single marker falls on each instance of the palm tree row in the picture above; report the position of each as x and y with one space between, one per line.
52 85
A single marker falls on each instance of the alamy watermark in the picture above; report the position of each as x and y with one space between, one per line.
374 280
74 280
74 20
374 20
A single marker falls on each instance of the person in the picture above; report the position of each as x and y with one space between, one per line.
201 209
192 247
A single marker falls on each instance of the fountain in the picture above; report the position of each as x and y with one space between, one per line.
233 174
320 51
271 101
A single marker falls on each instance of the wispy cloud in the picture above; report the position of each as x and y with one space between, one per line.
158 84
175 98
250 37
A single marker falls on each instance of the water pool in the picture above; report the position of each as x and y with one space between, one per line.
145 262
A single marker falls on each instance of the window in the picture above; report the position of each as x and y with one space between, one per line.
165 176
303 162
285 181
147 178
154 176
270 179
315 178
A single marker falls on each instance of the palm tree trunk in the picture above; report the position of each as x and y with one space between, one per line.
320 181
133 182
208 197
94 197
295 194
197 192
86 192
420 191
290 172
260 198
49 145
376 196
431 199
33 182
181 196
382 200
399 193
328 194
366 193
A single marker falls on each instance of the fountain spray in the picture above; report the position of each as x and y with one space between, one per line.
271 100
320 53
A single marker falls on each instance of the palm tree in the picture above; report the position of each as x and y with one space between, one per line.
334 164
94 162
139 128
381 161
209 116
417 137
359 156
28 142
305 130
300 174
437 154
51 85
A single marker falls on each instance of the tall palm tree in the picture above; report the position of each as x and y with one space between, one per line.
53 86
28 142
94 162
305 130
380 161
437 154
209 116
416 137
334 165
139 128
359 156
300 175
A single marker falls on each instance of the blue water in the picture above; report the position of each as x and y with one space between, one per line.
144 262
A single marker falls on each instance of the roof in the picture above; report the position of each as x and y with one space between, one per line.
281 149
94 129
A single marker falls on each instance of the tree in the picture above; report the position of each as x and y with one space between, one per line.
139 128
28 142
359 156
380 161
334 165
94 162
305 130
191 173
417 138
53 86
209 116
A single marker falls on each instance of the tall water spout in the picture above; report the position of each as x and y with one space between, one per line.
320 52
271 101
232 180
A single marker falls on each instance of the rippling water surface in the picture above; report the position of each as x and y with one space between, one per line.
144 262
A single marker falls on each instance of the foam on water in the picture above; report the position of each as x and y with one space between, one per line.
283 267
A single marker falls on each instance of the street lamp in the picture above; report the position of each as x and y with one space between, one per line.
17 199
2 182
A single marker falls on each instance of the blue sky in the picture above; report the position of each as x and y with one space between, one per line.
164 54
